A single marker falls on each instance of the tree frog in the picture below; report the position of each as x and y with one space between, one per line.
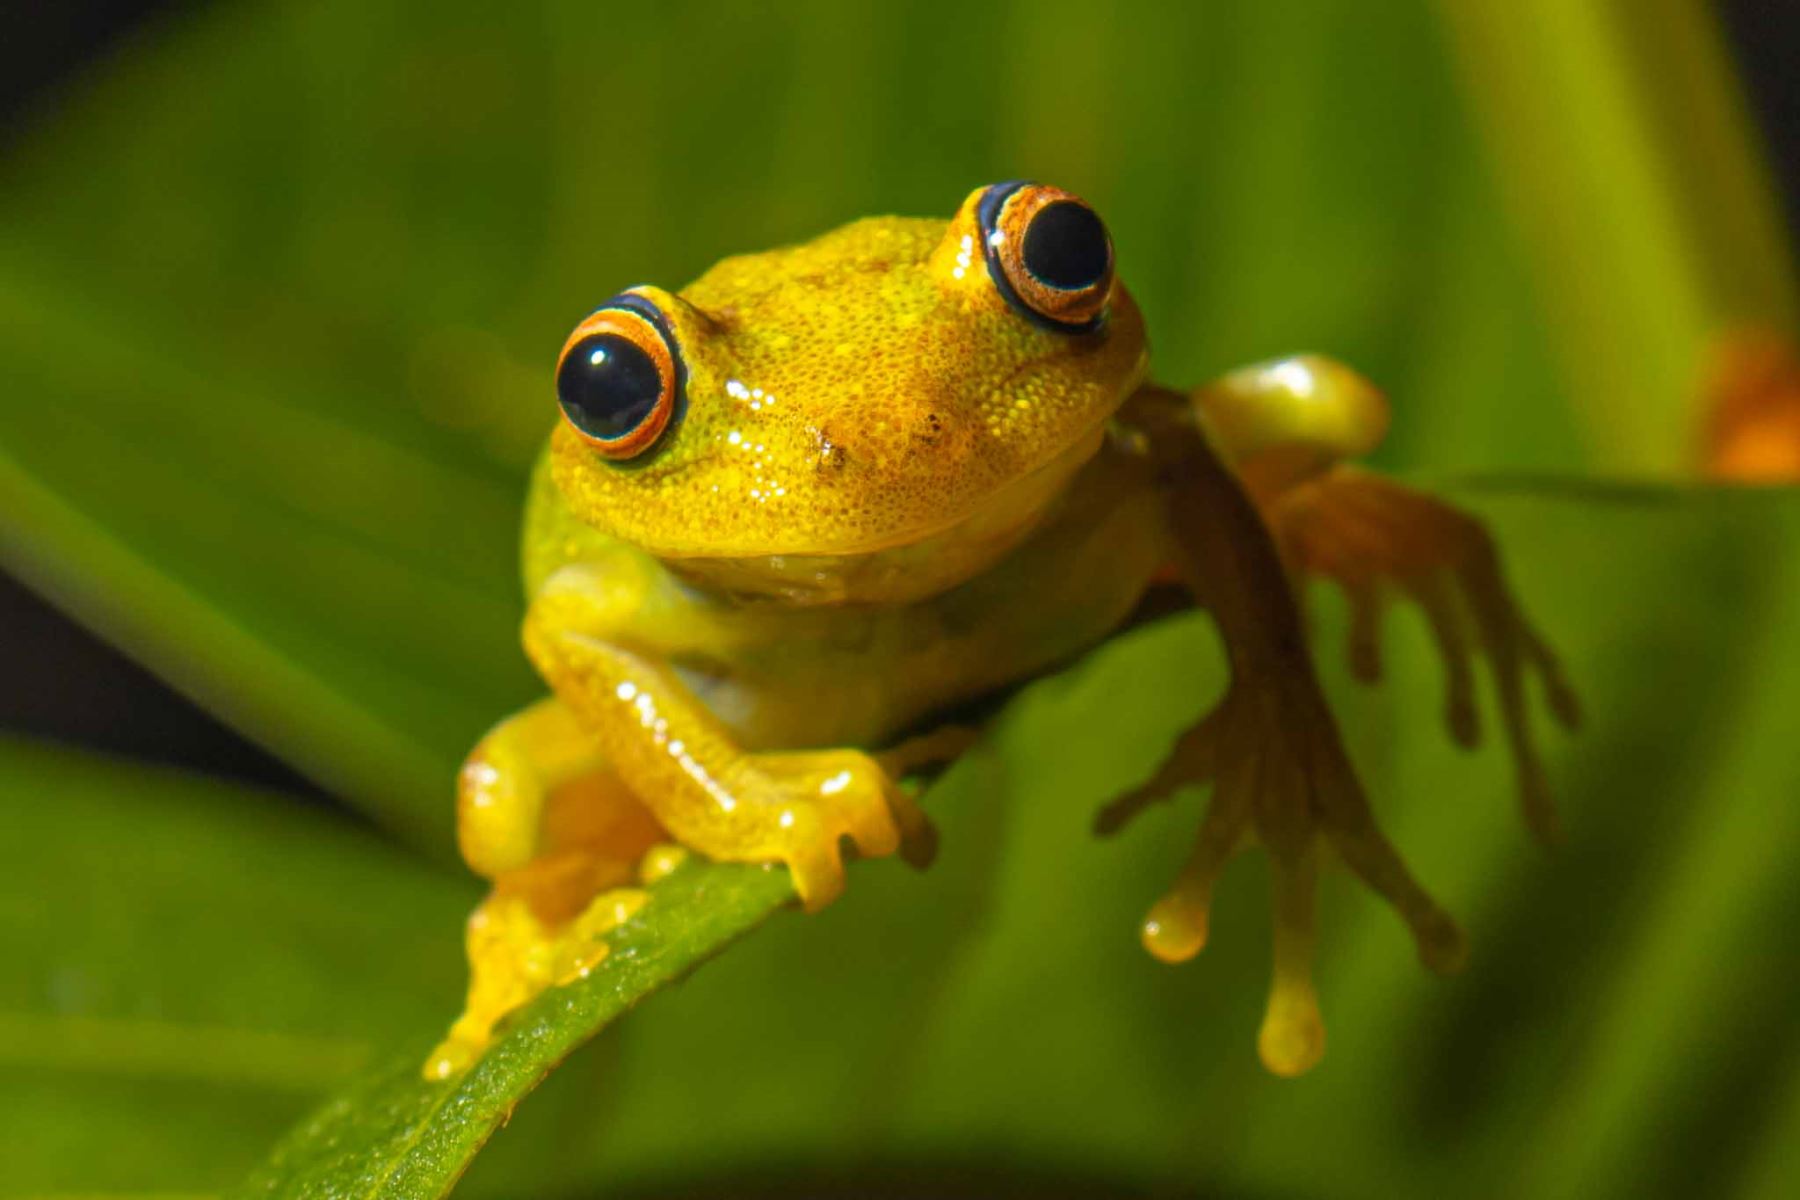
797 510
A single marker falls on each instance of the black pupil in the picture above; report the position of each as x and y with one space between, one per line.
1065 246
607 386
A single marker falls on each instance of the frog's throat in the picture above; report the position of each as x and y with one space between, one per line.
905 566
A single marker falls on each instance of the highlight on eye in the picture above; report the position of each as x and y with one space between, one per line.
619 380
1048 253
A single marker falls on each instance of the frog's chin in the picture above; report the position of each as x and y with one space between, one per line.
907 565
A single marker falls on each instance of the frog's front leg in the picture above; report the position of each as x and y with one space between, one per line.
1271 749
709 793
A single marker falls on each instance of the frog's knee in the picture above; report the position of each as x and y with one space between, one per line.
503 790
1288 420
499 807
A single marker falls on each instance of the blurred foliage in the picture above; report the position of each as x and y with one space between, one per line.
188 965
1651 223
278 288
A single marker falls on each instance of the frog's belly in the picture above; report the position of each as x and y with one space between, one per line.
863 677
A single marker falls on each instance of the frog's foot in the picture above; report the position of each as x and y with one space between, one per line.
541 927
1375 538
1279 775
802 806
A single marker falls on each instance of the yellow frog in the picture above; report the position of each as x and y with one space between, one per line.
796 511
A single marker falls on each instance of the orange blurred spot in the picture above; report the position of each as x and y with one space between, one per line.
1752 402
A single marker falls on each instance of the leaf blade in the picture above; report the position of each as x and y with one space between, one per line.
424 1134
188 966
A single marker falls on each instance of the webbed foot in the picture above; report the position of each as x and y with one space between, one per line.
1376 538
541 927
806 803
1279 776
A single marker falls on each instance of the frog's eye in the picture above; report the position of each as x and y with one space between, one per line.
1048 254
620 377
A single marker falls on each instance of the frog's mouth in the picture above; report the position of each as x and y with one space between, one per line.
904 565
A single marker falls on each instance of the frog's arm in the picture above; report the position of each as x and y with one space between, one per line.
685 767
1271 749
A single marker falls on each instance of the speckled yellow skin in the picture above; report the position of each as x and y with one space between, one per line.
891 493
849 394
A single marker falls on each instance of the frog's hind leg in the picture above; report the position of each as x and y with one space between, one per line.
1288 427
561 837
1377 539
1271 751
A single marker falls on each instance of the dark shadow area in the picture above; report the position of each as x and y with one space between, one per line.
47 41
1707 1142
1765 37
62 683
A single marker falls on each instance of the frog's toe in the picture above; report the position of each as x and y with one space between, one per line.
517 950
1375 537
918 836
1193 761
1364 639
1279 772
1292 1038
1176 928
1513 649
816 866
1437 602
829 795
1374 860
508 949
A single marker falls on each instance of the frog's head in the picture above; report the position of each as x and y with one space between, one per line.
875 414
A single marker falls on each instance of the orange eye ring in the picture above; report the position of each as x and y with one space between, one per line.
1048 254
620 379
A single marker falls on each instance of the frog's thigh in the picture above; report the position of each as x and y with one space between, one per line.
546 818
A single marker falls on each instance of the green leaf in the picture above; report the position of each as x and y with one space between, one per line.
397 1135
189 966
